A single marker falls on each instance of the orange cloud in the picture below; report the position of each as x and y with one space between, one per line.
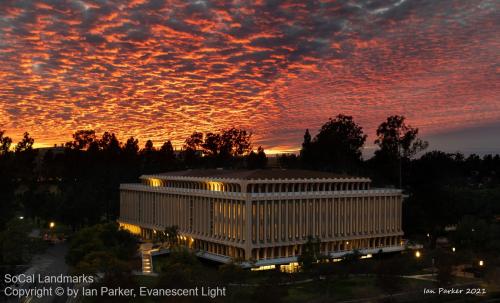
160 70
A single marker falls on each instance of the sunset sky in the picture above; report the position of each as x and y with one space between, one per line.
163 69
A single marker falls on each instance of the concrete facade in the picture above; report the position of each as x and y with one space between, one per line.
264 216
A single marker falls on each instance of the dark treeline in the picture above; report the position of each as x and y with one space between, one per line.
78 184
442 188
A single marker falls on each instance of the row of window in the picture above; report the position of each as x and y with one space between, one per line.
271 221
260 187
285 220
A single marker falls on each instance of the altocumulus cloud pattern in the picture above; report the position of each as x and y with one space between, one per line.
162 69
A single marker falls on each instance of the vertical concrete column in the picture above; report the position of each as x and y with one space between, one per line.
314 214
223 219
227 221
400 213
294 203
344 211
233 219
356 214
229 232
367 215
238 219
370 215
349 216
379 215
308 216
248 228
266 220
257 220
332 218
364 215
393 213
386 219
280 215
287 205
273 219
204 216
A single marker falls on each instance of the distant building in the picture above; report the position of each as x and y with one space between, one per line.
264 215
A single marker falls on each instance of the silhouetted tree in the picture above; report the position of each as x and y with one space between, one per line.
7 184
306 153
24 158
131 147
337 146
310 253
5 143
191 147
212 145
398 143
288 161
149 159
26 143
104 249
194 141
235 142
82 140
110 144
167 150
166 157
397 139
15 243
257 159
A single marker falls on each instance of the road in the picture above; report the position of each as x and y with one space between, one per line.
51 262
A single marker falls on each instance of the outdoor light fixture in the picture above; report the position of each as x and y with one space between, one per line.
453 249
52 224
481 263
21 218
417 254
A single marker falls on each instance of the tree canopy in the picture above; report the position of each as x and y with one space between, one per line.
337 146
100 248
396 139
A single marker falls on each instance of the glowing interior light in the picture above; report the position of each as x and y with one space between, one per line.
155 182
214 186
